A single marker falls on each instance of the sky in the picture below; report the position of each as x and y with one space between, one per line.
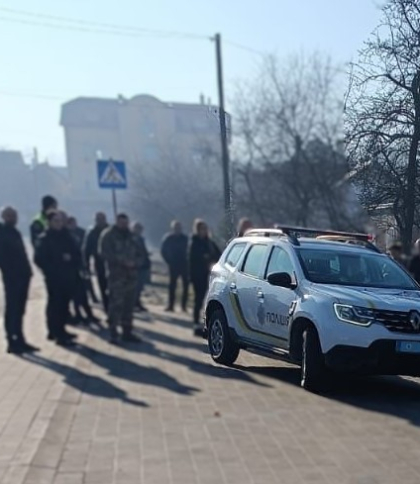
42 66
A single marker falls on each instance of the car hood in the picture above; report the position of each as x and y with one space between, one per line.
391 299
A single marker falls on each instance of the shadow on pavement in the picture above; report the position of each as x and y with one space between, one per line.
198 345
170 340
196 366
184 320
389 395
130 371
85 383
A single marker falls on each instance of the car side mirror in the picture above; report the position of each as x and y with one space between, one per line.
281 279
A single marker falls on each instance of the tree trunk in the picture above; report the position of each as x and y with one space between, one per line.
410 208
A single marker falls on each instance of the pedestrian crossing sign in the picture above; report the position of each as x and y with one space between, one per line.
112 174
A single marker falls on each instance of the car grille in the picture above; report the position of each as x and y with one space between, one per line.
395 321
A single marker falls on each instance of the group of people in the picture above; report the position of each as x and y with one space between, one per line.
65 254
190 261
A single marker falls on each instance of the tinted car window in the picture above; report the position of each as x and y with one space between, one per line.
279 262
235 254
254 260
365 269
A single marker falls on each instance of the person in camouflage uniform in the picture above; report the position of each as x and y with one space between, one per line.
123 257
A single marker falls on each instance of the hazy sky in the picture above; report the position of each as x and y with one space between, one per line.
41 66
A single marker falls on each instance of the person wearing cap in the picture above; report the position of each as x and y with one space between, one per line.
40 223
17 273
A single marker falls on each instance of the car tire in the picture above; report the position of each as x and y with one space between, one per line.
315 376
222 347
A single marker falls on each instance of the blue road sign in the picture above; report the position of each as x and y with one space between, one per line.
112 174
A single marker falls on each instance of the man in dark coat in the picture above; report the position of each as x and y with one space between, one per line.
84 284
175 253
17 274
204 253
59 259
91 251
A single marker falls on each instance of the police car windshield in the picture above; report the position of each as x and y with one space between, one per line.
365 269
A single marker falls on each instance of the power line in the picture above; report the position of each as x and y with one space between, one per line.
30 95
244 48
67 23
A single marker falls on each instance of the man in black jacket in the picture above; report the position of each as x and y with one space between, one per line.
17 275
60 260
174 252
91 250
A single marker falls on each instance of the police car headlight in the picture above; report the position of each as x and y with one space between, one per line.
354 314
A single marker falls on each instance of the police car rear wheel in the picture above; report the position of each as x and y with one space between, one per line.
315 376
222 348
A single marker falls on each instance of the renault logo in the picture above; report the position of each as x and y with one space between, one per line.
414 319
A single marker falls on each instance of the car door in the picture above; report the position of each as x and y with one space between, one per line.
277 301
246 291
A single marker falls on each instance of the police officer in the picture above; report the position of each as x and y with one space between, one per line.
17 274
59 259
91 251
121 251
40 222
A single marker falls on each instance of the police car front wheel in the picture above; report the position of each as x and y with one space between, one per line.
315 375
221 345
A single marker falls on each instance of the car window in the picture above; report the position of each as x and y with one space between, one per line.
235 254
279 262
254 260
366 269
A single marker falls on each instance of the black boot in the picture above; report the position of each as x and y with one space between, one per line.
14 348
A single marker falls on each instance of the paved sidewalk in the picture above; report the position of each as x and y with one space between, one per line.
161 412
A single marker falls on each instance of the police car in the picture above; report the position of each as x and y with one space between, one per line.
328 301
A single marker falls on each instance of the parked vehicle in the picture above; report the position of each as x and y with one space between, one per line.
328 301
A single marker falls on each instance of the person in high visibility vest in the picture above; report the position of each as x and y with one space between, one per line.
40 223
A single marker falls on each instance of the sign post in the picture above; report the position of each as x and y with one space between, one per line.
112 175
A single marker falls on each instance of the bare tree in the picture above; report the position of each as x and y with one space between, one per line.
288 127
178 184
383 115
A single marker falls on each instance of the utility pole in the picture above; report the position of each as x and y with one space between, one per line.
223 140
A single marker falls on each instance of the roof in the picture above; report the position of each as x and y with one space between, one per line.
103 112
11 158
309 243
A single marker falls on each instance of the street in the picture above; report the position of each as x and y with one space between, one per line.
162 412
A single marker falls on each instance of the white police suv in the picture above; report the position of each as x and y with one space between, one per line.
328 301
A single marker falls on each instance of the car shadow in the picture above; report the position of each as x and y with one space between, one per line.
391 395
85 383
128 370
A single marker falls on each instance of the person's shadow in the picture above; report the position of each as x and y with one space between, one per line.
85 383
195 365
128 370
